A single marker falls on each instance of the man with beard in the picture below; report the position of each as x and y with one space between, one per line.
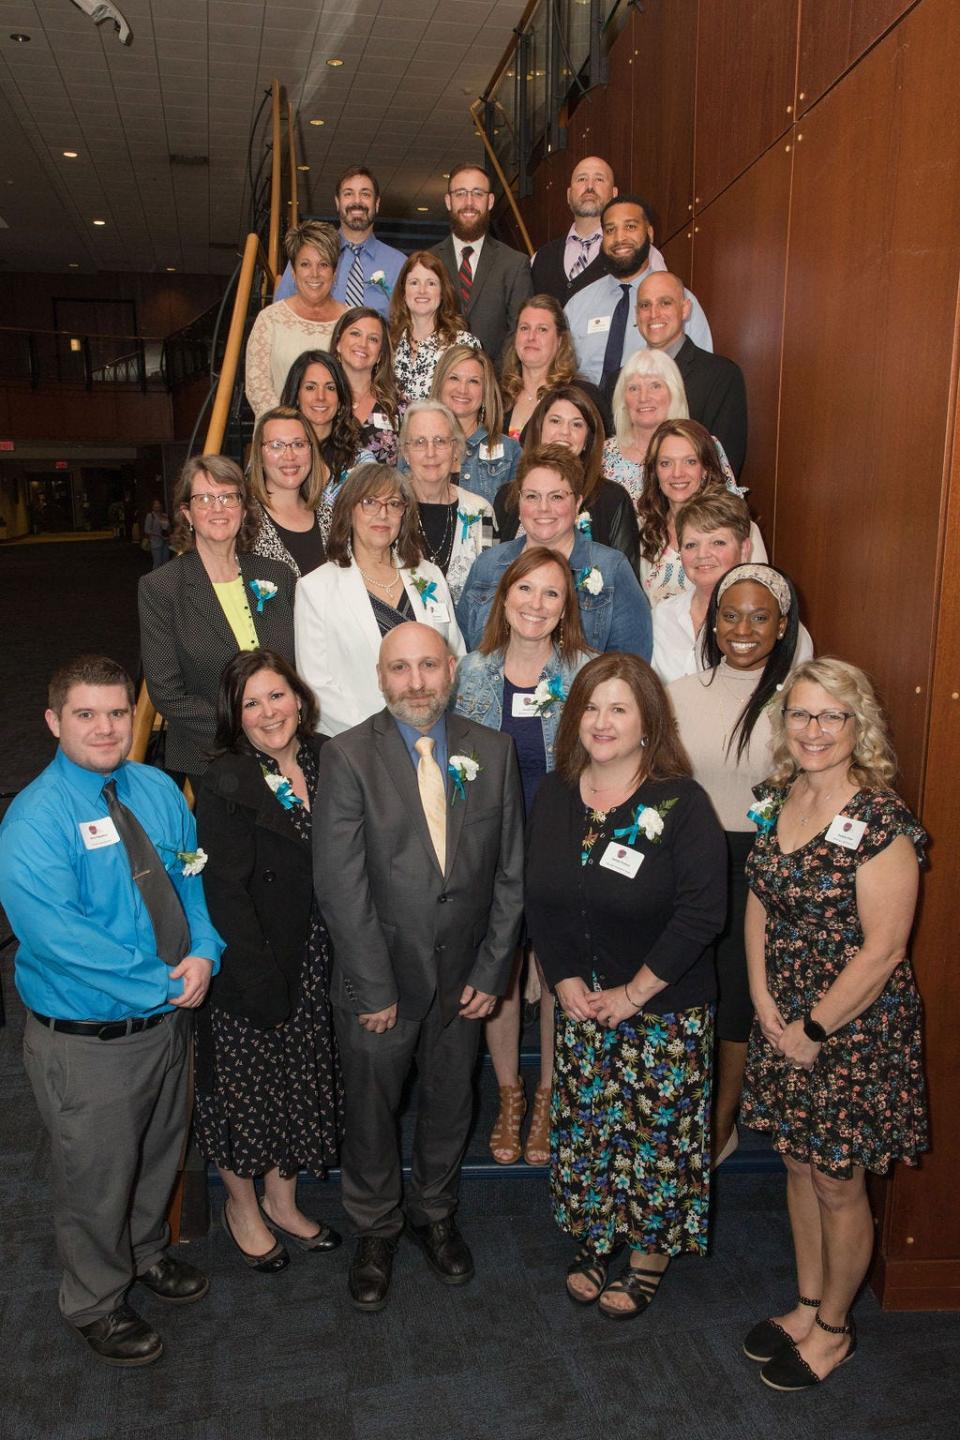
565 266
491 280
368 269
601 317
418 866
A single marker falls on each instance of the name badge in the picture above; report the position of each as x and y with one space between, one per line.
846 832
380 421
599 324
621 859
524 706
95 834
438 610
491 452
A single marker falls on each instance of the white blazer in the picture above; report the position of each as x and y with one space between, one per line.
338 639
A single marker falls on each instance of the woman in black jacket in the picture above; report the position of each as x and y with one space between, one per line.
267 1088
625 892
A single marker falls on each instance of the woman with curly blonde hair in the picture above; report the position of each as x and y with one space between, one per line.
834 1067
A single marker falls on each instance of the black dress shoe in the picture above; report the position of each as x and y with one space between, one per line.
175 1280
446 1250
269 1263
370 1272
122 1338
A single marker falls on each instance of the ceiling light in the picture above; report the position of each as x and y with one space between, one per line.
318 122
171 269
74 265
99 222
20 37
70 154
423 209
334 64
303 167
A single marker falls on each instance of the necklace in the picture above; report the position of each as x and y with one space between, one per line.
442 554
805 816
387 586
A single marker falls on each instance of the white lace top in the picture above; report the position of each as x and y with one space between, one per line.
278 337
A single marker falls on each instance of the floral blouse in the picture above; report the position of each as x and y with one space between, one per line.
379 436
414 373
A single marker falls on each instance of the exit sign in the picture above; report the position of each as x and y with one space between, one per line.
7 445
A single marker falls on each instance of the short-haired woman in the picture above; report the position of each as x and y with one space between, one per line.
215 598
835 1066
375 577
305 321
267 1097
425 321
625 886
286 481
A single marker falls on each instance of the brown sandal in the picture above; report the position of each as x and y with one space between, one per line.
537 1149
505 1135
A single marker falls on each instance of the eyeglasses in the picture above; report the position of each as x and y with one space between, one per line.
277 447
422 443
831 722
372 503
556 498
229 500
461 193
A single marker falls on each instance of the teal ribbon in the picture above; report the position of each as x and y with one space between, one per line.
428 591
262 595
456 777
630 832
465 522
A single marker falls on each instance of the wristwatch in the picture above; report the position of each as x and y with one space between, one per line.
814 1030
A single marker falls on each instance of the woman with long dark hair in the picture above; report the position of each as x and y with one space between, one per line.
361 343
317 386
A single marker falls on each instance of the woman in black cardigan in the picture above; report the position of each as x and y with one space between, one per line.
267 1090
626 890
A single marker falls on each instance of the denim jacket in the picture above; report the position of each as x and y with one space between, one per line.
616 618
478 692
484 473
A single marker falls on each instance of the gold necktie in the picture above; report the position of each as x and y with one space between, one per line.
433 796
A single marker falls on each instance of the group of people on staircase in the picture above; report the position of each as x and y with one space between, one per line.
485 689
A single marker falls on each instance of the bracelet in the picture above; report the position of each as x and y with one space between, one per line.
626 991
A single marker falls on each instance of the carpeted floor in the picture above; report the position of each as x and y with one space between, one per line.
505 1358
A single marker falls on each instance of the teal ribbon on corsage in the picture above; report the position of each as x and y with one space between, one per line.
263 590
426 589
466 520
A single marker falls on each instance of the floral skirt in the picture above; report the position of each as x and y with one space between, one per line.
630 1132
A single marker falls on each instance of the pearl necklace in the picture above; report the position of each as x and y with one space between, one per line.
386 586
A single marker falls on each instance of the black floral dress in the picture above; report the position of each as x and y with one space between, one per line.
276 1099
863 1103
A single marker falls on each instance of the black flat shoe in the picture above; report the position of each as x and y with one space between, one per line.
789 1371
767 1338
326 1238
448 1254
122 1338
370 1272
175 1281
271 1263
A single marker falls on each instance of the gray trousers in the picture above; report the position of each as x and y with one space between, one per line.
375 1068
116 1114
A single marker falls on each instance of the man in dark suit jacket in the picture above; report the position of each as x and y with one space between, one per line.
491 280
418 871
569 263
716 394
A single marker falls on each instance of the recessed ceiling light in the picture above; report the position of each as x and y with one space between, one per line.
99 222
334 64
318 122
20 37
70 154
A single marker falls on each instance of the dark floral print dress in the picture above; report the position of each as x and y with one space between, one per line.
863 1103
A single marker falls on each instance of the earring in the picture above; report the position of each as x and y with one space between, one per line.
644 742
560 635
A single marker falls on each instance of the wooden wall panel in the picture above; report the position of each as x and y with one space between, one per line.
664 41
678 253
64 413
746 72
871 292
834 36
613 131
739 273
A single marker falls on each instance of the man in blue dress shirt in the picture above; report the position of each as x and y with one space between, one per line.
368 269
98 875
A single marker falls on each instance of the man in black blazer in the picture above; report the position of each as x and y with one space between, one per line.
491 280
418 861
716 394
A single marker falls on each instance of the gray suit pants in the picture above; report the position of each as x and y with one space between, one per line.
375 1068
116 1113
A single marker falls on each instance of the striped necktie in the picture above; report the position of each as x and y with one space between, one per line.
355 279
466 277
582 260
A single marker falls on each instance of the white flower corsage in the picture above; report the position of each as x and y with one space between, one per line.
283 790
590 578
585 524
547 694
647 818
192 861
264 590
379 279
462 769
764 814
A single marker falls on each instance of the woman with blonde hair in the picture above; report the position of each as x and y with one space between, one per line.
466 382
425 320
834 1067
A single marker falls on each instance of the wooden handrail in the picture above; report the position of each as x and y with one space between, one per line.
276 172
494 161
294 174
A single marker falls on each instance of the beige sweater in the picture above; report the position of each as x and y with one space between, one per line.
707 707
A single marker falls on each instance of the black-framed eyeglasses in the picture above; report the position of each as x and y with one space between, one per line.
831 722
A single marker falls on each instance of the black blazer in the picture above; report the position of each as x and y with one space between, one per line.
550 278
501 285
613 519
717 397
185 641
258 881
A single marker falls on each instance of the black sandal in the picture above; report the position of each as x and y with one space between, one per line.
767 1338
639 1285
593 1268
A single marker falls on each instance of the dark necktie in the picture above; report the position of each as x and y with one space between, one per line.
170 928
466 276
613 355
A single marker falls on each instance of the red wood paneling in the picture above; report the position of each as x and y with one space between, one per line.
834 36
664 39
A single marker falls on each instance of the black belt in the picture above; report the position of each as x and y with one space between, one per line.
100 1030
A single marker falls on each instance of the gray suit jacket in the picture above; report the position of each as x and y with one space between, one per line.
402 931
185 641
501 284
